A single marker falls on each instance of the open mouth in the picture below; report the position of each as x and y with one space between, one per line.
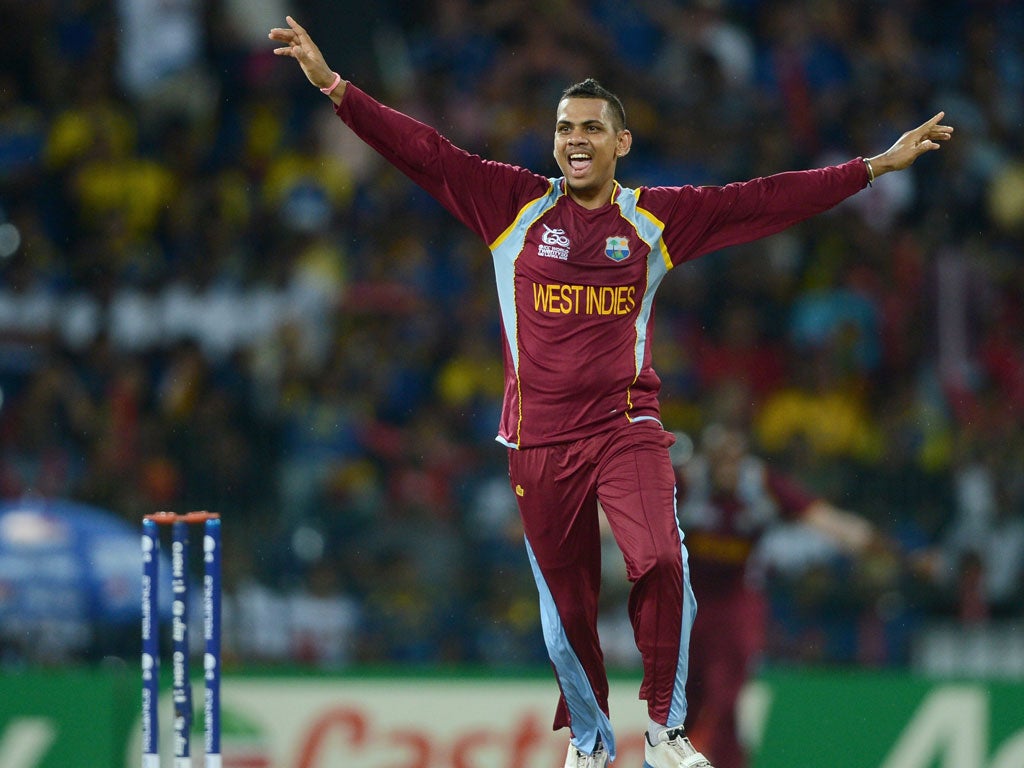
580 162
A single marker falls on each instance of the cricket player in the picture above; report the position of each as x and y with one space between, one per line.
728 500
577 261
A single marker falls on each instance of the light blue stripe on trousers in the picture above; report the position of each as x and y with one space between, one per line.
588 721
677 710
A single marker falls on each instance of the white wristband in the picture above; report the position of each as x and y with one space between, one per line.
871 171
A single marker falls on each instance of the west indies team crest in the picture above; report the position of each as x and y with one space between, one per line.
616 248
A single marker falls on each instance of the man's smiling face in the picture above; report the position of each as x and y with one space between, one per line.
587 145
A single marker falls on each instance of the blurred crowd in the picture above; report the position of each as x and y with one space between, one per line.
212 296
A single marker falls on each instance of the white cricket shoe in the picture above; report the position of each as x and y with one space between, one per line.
577 759
673 750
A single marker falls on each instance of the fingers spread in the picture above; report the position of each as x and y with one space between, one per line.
929 132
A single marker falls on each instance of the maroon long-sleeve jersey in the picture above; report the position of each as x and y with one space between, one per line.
576 286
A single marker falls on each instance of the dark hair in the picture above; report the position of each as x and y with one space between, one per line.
591 89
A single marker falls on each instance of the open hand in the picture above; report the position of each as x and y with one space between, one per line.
912 145
300 46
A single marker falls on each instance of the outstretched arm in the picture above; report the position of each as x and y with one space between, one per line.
300 46
851 532
910 146
484 195
857 536
718 217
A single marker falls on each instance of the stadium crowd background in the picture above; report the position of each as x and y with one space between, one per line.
212 296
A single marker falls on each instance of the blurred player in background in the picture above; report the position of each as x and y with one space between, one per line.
728 499
577 262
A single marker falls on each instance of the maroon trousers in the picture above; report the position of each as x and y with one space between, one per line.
558 489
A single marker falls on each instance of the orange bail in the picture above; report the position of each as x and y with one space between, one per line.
167 518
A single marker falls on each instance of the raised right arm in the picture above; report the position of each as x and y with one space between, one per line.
484 195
